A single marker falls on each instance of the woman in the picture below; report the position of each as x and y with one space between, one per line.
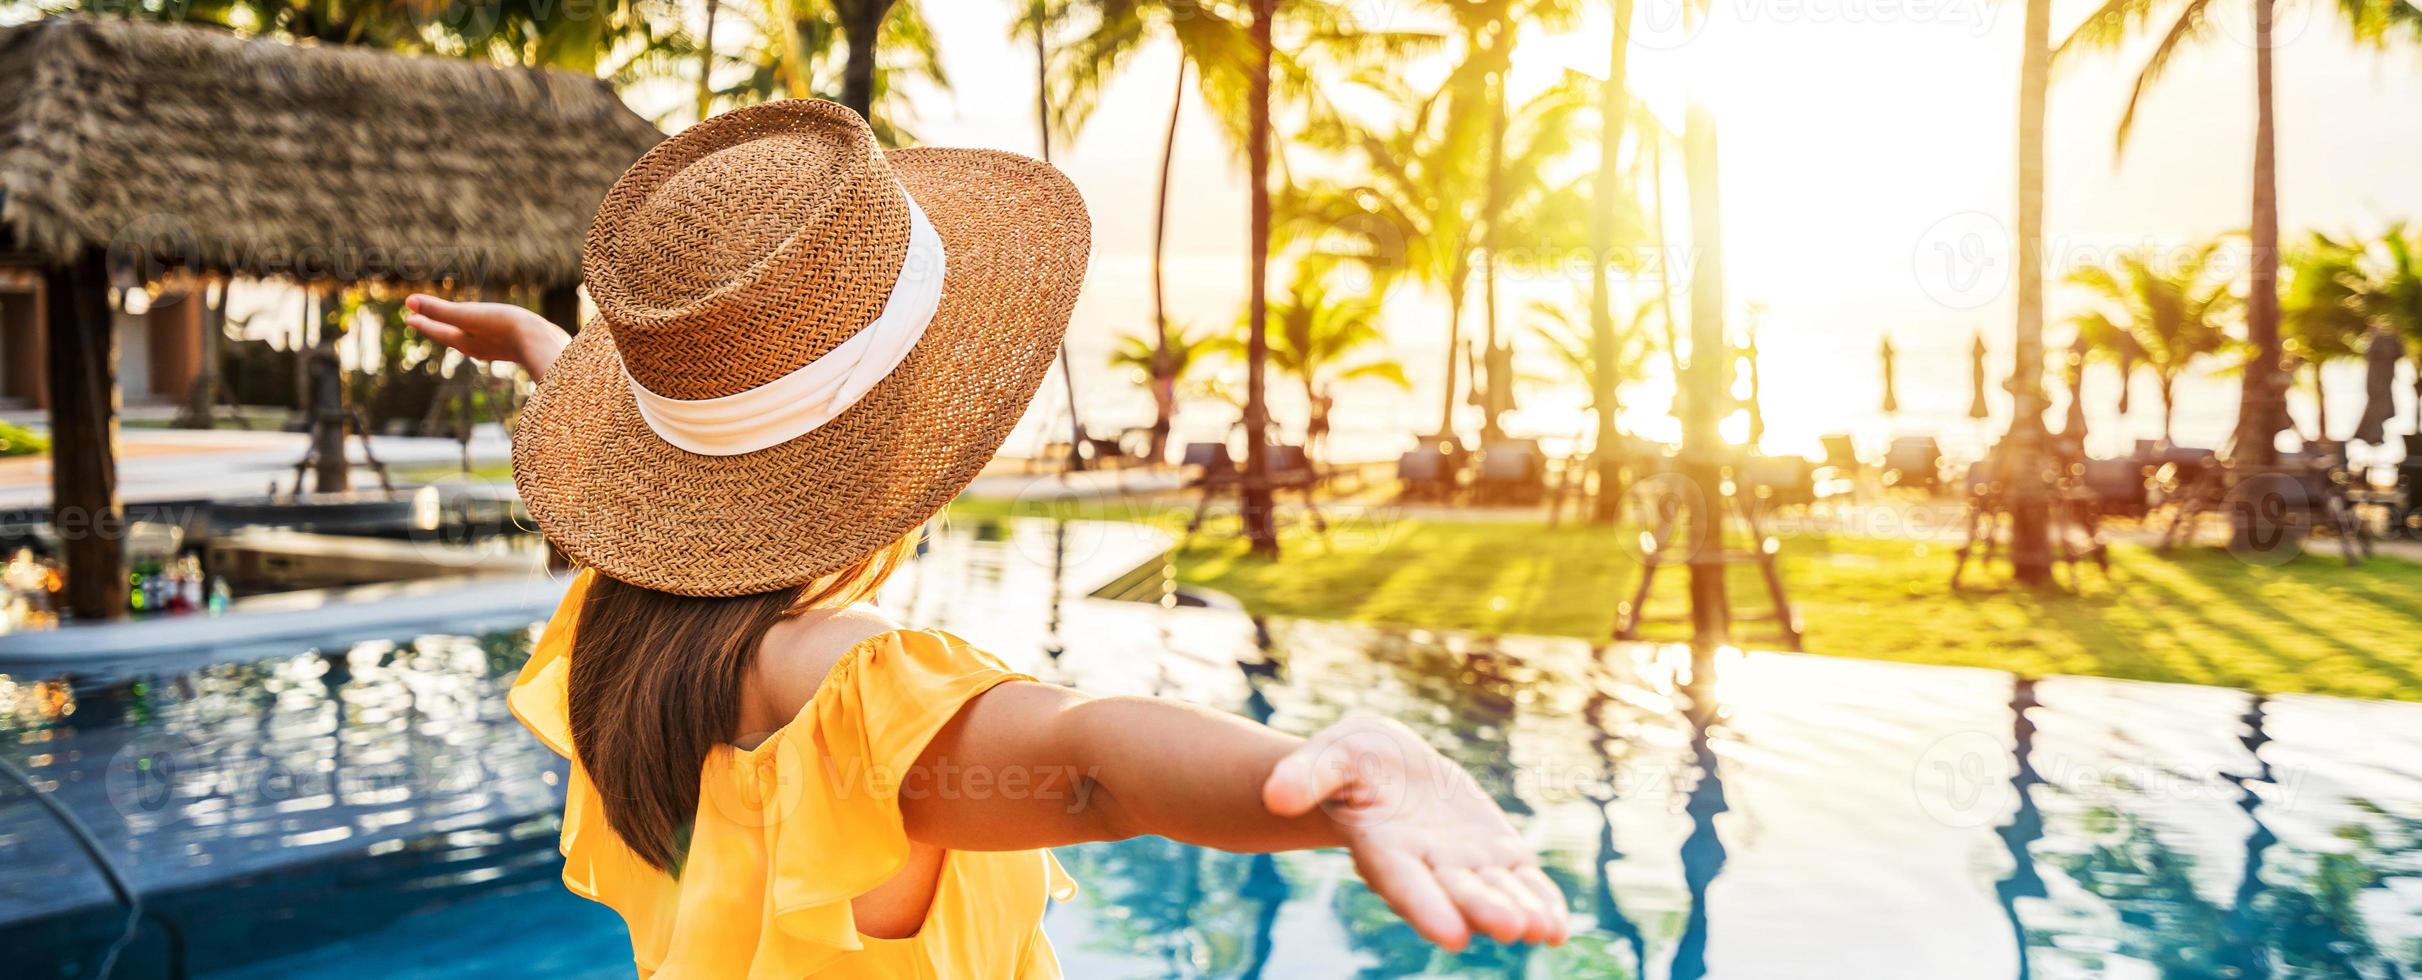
805 347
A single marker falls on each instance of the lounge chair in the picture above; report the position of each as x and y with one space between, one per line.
1291 469
1510 471
1914 461
1779 481
1210 462
2115 488
1431 469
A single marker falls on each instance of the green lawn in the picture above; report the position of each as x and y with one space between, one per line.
2197 616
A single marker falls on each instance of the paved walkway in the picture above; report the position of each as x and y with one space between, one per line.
178 464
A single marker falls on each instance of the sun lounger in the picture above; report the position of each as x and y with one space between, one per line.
1510 471
1779 481
1914 461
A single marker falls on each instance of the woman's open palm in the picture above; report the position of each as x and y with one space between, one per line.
1424 835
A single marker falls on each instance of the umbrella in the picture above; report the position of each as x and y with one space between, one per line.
1500 365
2074 430
1977 408
1892 404
2380 353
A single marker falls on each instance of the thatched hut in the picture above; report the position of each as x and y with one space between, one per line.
130 149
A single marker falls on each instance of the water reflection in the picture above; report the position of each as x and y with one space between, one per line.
1702 852
2026 823
1713 814
1606 910
2292 912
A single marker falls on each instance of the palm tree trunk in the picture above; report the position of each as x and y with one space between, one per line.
2320 400
706 61
1260 528
1311 407
1492 209
2259 392
1611 99
2169 407
1703 390
2023 448
861 23
1042 128
1042 81
1161 367
1454 344
1665 256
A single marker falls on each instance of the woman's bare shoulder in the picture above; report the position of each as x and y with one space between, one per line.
798 652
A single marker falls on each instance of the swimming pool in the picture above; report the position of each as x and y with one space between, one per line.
374 812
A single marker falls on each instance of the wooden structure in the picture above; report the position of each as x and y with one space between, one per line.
130 151
1696 507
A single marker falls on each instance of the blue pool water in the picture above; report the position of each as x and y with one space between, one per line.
374 812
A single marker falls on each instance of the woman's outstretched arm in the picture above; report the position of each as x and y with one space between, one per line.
1033 765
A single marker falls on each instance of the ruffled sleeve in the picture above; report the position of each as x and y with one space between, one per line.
834 829
786 833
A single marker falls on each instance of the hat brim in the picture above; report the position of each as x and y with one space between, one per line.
613 495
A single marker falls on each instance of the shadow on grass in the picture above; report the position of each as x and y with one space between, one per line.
2193 616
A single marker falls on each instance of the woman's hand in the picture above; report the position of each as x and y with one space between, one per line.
489 331
1424 835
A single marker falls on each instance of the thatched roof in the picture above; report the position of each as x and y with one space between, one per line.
265 158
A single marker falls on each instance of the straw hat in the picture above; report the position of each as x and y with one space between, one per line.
805 347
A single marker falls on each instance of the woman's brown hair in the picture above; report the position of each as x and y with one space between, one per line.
656 682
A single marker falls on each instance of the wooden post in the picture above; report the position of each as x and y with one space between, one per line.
332 472
85 511
202 398
175 325
561 306
23 358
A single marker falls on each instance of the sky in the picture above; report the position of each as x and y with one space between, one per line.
1867 149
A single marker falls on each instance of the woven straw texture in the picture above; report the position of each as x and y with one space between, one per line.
258 157
740 250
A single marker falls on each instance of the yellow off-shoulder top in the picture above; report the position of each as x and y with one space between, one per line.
787 833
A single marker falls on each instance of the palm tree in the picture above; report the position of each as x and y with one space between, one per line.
1403 207
2023 452
2320 314
2162 318
1491 30
1216 50
1316 331
861 24
1607 192
2260 415
1107 33
547 34
798 50
1162 365
1528 202
1261 530
2261 411
1606 371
